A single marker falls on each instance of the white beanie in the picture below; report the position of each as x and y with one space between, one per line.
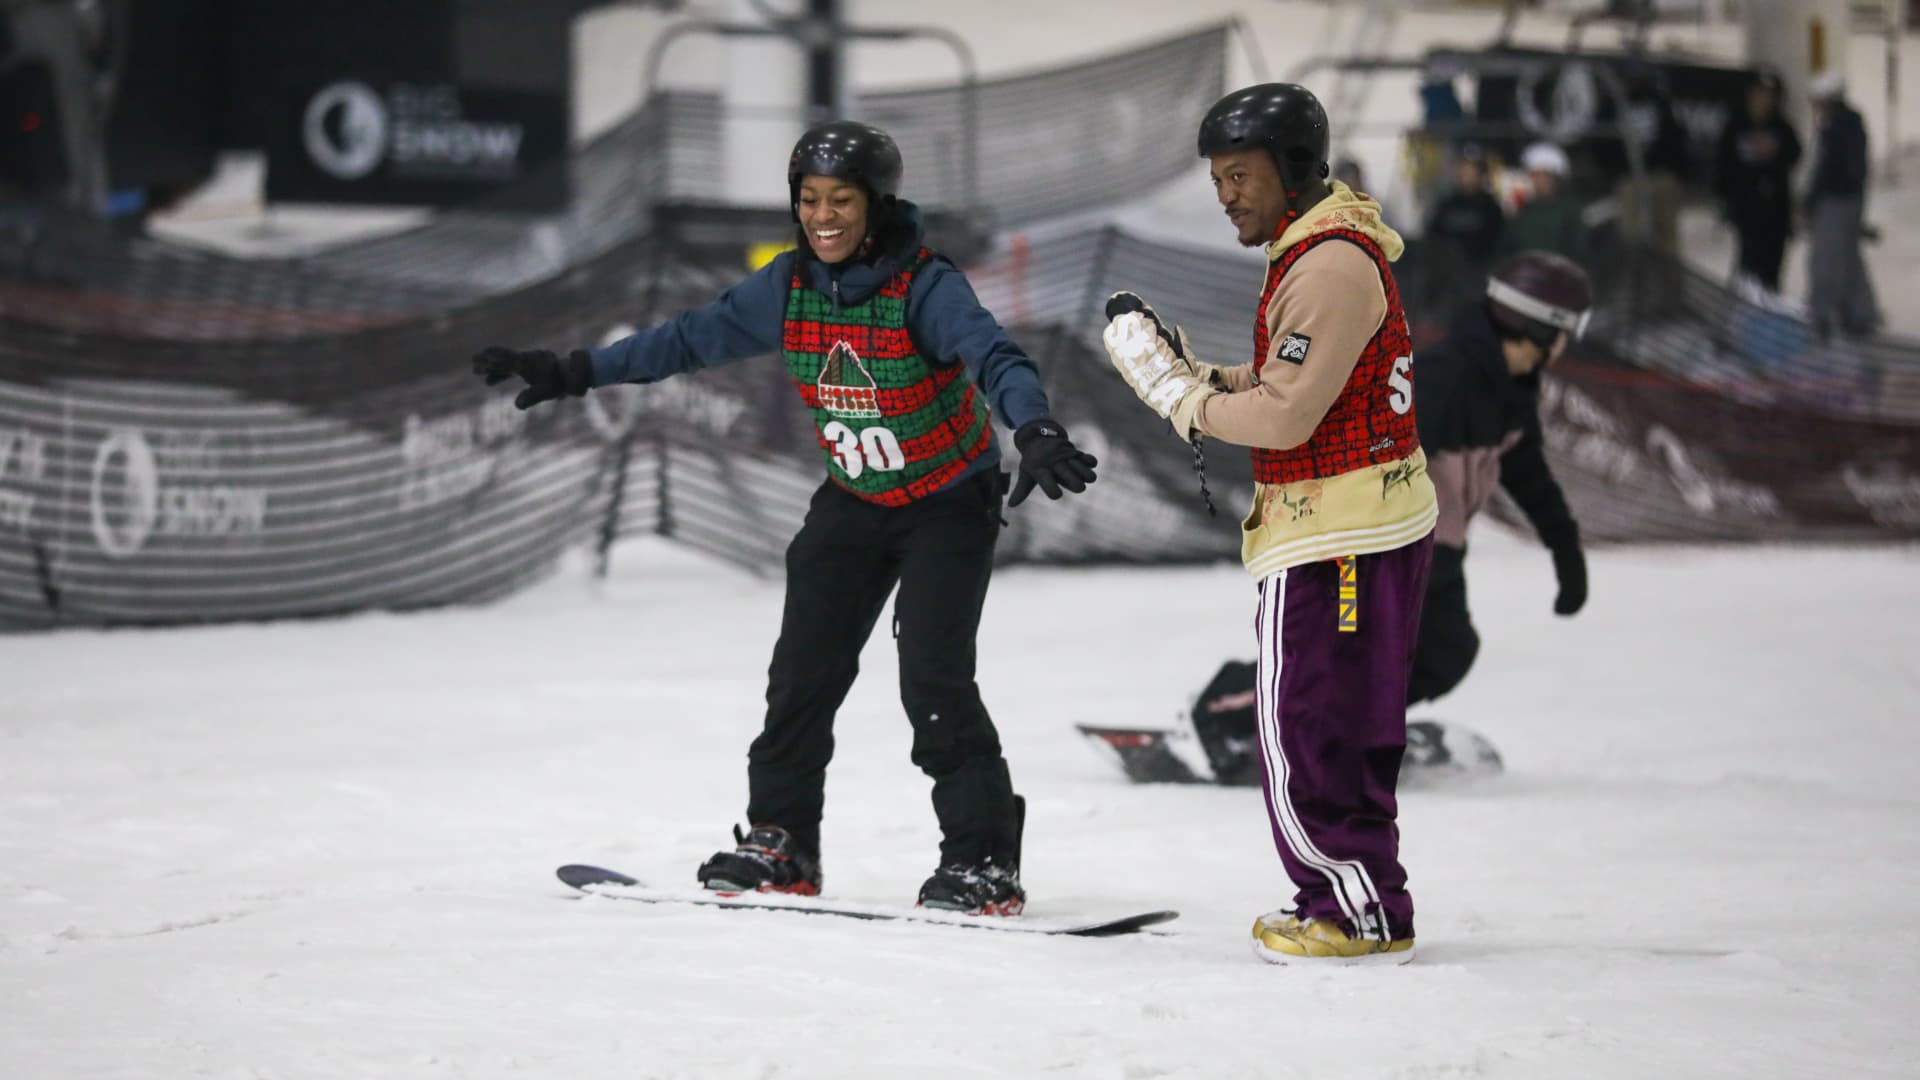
1547 158
1826 86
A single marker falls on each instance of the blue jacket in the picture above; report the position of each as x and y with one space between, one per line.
944 317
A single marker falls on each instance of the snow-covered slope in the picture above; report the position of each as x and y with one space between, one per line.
325 849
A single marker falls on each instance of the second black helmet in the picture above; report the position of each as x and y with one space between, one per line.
1286 119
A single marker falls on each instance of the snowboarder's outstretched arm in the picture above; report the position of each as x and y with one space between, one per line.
949 325
744 321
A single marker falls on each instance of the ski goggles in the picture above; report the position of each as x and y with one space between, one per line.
1560 318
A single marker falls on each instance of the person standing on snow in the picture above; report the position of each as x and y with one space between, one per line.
1478 407
898 362
1462 233
1340 533
1754 179
1840 295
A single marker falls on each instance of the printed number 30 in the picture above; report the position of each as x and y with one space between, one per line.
1401 380
873 448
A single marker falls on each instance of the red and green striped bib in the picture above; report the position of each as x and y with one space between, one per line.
894 427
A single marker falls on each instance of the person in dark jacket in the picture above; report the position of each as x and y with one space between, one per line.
897 361
1840 295
1753 176
1463 233
1476 401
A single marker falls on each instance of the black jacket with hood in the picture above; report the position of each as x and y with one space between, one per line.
1480 425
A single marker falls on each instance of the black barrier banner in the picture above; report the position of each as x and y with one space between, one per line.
1645 456
125 502
351 139
187 437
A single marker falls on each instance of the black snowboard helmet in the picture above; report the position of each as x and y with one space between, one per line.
1286 119
1537 295
849 150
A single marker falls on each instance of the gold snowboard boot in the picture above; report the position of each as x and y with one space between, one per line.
1280 938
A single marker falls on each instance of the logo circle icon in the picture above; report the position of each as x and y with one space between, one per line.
345 129
124 518
1573 101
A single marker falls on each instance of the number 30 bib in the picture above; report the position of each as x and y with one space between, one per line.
894 427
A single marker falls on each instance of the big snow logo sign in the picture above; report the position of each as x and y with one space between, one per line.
170 483
846 388
354 140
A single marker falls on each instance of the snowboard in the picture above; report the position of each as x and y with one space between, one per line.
1437 752
1147 756
612 884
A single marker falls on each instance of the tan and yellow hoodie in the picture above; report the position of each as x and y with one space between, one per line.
1330 382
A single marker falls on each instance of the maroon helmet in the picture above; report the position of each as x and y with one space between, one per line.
1537 295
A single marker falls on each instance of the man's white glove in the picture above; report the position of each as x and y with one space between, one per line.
1155 361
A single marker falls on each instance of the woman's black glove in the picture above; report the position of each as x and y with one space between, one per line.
1049 460
547 376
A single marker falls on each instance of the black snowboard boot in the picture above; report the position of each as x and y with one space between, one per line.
989 887
983 889
764 860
